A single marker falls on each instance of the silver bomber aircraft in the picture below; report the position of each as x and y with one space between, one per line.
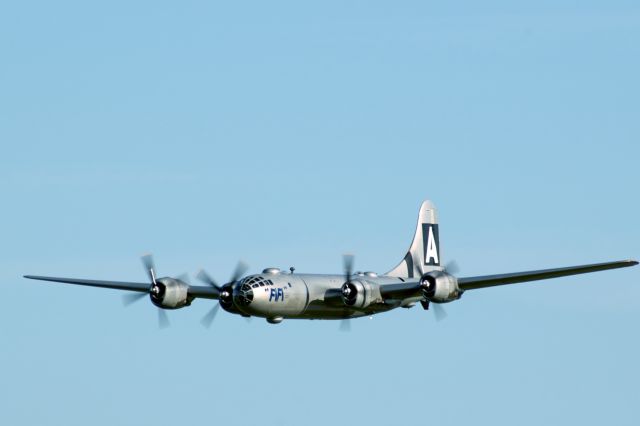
276 295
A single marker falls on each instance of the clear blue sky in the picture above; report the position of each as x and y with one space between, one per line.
288 133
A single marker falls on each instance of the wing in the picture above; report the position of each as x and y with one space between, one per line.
117 285
401 291
413 288
472 283
194 291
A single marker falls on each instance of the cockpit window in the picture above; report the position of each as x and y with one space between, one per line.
245 294
255 281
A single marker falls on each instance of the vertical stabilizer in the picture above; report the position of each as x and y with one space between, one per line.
424 252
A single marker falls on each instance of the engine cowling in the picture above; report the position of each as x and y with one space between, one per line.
357 294
440 287
170 293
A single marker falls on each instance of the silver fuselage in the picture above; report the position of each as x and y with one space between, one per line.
280 295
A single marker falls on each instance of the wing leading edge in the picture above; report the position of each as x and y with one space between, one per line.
194 291
472 283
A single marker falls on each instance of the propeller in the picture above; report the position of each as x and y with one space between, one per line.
223 293
439 312
207 320
206 278
147 261
345 325
131 298
163 318
184 278
241 268
347 261
347 287
452 267
203 276
149 267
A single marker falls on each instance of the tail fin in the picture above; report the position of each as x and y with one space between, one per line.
424 252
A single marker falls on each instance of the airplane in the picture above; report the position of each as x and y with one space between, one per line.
277 295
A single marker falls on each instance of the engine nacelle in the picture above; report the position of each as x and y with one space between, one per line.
440 287
357 294
169 293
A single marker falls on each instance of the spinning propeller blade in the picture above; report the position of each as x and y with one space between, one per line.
241 268
345 325
207 320
149 267
439 312
130 298
347 261
184 278
163 318
206 278
147 261
452 268
203 276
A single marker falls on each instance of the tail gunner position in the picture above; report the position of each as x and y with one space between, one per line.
276 295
